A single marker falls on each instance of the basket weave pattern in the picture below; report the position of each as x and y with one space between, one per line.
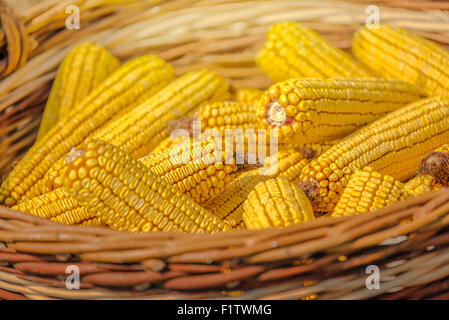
324 259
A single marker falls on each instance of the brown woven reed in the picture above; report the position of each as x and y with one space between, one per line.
323 259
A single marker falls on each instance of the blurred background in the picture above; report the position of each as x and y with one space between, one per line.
22 5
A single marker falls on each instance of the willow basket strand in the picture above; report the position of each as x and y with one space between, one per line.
323 259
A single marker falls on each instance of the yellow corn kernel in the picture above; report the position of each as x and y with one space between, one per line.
399 54
276 203
229 120
393 145
227 115
294 51
235 218
291 163
83 69
318 110
92 222
191 171
311 150
58 206
288 162
146 73
368 190
422 184
127 196
231 200
248 95
140 131
240 226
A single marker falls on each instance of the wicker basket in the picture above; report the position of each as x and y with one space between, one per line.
323 259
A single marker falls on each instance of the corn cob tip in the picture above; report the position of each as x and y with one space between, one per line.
276 115
312 190
307 152
247 161
436 164
276 203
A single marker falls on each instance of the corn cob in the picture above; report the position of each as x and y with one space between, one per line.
224 118
183 123
234 195
293 158
83 69
235 218
433 173
276 203
92 222
200 170
170 142
315 149
396 53
147 73
58 206
393 145
194 169
317 110
110 127
140 131
368 190
127 196
248 95
240 226
248 141
281 164
294 51
53 178
221 116
422 184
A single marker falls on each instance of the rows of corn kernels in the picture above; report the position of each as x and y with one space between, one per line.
134 148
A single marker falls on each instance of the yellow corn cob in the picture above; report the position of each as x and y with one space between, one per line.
228 204
281 164
58 206
310 150
53 178
276 203
293 158
248 141
393 145
235 218
294 51
234 195
146 73
110 127
140 131
222 117
92 222
169 142
396 53
368 190
433 173
231 115
127 196
422 184
83 69
248 95
198 170
194 169
241 226
317 110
